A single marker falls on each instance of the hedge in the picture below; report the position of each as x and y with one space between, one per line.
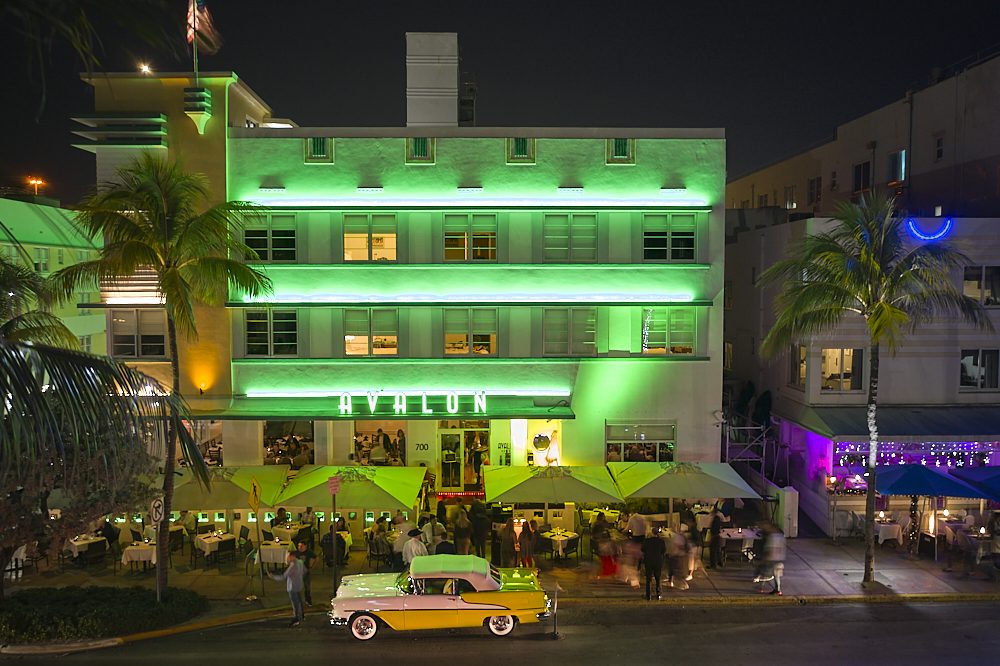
73 613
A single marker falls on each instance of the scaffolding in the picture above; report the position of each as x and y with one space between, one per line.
746 442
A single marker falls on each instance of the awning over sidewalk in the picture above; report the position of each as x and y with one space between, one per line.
900 424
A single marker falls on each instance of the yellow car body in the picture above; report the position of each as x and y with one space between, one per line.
442 592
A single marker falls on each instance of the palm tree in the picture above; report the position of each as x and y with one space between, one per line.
25 299
865 267
149 220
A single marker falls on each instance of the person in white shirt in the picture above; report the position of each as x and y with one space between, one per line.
636 527
189 522
414 547
403 526
309 517
433 534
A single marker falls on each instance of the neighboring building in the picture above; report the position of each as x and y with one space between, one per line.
498 295
939 396
937 149
52 242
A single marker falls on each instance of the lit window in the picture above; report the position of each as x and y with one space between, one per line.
370 332
318 150
470 237
979 368
470 332
273 239
640 443
569 331
272 333
982 283
138 333
668 331
369 237
570 238
620 151
842 369
790 198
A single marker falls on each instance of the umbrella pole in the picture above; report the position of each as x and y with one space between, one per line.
670 513
336 555
260 556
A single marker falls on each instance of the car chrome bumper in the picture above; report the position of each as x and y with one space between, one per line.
337 621
548 611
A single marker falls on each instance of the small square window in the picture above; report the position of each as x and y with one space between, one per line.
420 150
318 150
520 150
620 151
938 148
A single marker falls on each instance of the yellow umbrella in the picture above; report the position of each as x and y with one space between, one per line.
551 485
229 487
360 487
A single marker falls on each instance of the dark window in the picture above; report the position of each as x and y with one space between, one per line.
980 368
862 177
814 191
138 333
938 148
621 148
520 148
833 181
317 146
569 331
419 148
271 332
570 237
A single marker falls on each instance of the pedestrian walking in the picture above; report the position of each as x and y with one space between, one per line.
774 557
715 542
463 533
653 550
526 540
677 550
309 560
508 550
694 546
293 583
480 527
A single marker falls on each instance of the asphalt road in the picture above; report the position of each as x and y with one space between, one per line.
884 634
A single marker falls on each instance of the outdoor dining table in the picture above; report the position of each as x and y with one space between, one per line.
748 535
889 530
16 563
348 541
150 531
559 539
80 543
140 552
273 552
209 543
981 546
288 531
952 528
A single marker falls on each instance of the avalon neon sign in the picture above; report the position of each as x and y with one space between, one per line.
399 406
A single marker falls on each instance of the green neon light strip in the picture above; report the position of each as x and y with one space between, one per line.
321 301
430 393
470 202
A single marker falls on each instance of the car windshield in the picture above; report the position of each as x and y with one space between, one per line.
496 575
403 581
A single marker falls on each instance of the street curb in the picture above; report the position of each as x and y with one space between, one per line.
772 600
84 646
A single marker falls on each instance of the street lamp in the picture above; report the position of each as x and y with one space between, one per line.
36 182
144 69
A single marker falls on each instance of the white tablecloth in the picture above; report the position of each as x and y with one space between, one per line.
748 536
888 531
286 532
952 528
151 533
209 544
17 560
272 553
145 552
80 545
559 540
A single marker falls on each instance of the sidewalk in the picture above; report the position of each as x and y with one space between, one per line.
814 568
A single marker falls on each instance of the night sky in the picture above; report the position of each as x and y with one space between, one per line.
778 76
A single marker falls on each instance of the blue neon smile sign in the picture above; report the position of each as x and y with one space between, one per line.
938 235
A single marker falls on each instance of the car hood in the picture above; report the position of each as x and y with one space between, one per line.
368 585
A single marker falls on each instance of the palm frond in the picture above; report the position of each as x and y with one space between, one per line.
40 328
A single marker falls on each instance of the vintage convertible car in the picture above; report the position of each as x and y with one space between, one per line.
440 592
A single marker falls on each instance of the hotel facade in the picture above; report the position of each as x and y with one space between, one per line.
502 296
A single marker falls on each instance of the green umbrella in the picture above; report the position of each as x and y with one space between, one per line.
675 479
551 485
360 487
229 487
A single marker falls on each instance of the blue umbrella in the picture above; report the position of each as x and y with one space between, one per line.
986 479
922 480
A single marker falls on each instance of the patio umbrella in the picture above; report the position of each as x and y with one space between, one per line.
679 479
229 487
360 487
985 479
922 480
551 485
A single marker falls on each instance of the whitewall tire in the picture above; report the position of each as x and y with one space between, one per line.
363 626
501 625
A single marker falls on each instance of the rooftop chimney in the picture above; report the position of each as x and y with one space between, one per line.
432 79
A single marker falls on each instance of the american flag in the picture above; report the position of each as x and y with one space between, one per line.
200 20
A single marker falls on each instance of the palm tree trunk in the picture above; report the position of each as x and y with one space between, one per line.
5 555
163 532
872 460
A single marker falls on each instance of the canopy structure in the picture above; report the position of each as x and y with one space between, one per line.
679 479
985 479
551 485
922 480
360 487
229 487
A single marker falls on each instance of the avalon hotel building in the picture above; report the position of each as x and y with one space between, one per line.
483 295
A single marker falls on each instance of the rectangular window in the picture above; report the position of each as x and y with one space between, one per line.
138 333
273 240
570 238
797 371
842 369
272 333
317 146
370 332
640 443
470 237
761 201
83 298
982 283
833 181
420 150
938 148
814 191
470 332
369 237
318 150
790 197
86 344
42 259
82 255
59 256
727 356
668 331
668 237
520 150
727 295
520 147
570 331
896 167
979 368
862 177
620 151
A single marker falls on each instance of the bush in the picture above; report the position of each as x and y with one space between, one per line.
73 613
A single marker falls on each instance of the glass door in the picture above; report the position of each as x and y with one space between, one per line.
465 447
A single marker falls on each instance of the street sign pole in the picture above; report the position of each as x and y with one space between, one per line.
157 516
333 485
255 507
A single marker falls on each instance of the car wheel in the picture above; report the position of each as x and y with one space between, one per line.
363 626
501 625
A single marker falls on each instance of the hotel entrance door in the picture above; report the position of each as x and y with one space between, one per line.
465 447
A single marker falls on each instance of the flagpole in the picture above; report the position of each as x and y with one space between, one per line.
194 42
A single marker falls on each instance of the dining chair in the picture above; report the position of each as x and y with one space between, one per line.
196 554
96 551
226 551
970 520
135 535
245 542
572 547
545 547
267 536
205 528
